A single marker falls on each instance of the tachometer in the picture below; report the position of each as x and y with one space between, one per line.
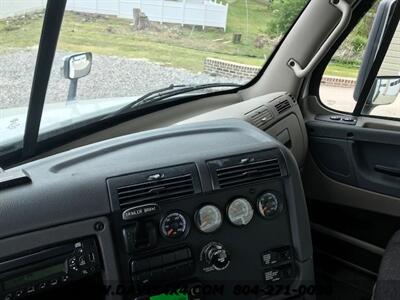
240 212
208 218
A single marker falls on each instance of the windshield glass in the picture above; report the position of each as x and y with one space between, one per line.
112 53
19 39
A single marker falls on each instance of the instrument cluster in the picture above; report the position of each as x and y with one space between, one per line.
209 217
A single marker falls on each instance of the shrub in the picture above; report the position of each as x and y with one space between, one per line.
359 42
283 14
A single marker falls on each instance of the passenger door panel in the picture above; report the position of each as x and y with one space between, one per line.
362 157
353 189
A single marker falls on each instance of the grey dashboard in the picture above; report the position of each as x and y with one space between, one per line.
277 114
68 195
70 186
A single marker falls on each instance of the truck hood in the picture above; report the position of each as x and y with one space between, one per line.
55 116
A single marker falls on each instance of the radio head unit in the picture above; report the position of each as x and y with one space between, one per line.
48 268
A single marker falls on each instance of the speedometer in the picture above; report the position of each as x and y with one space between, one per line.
240 212
208 218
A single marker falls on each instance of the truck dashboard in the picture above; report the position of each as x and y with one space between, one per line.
149 218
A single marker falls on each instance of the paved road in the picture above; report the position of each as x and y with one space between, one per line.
338 98
342 99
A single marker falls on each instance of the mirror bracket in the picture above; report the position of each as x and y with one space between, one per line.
73 87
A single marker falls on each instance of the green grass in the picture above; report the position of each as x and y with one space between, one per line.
173 45
187 49
20 33
170 45
342 70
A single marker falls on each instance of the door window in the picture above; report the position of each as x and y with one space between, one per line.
338 89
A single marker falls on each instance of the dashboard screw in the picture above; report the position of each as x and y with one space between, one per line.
98 226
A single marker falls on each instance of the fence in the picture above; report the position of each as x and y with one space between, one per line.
186 12
9 8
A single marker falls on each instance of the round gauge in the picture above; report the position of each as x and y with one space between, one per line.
208 218
240 212
174 225
268 205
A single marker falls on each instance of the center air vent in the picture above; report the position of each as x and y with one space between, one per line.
156 190
283 106
155 185
245 169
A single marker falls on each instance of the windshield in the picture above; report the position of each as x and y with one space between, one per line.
112 53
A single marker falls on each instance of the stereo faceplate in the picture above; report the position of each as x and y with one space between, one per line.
48 268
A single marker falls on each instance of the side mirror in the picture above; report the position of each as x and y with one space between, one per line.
74 67
77 65
377 34
387 89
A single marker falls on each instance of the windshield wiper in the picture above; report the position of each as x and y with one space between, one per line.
167 92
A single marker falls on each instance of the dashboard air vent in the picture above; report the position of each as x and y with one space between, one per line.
160 189
260 116
283 106
155 185
235 171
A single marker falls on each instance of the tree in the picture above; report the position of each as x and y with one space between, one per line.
283 14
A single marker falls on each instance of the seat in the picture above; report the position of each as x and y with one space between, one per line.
388 283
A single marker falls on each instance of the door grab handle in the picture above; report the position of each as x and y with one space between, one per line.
388 170
345 8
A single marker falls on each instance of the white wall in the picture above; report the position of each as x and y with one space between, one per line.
203 13
391 63
185 12
9 8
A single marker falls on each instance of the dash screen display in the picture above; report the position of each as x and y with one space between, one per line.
34 276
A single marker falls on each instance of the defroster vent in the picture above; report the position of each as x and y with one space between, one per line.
155 185
283 106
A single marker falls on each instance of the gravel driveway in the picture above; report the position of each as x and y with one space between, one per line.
110 77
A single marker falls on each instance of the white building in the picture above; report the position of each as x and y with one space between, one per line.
391 63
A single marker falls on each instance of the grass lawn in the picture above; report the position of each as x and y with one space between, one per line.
342 70
173 45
